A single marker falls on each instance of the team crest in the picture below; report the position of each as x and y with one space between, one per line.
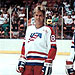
33 36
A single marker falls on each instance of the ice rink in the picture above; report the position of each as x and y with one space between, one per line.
8 64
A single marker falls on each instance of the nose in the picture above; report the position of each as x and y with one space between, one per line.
38 16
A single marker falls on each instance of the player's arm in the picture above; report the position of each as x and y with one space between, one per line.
69 62
47 69
22 61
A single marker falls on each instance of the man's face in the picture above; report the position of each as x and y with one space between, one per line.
39 17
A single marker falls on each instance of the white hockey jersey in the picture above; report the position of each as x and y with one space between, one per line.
70 60
40 44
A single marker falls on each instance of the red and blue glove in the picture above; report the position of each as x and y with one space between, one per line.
21 64
70 71
47 68
69 68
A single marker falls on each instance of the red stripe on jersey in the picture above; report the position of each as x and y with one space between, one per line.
37 52
73 42
35 58
69 63
31 39
23 49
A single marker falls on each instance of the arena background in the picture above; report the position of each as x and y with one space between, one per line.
10 46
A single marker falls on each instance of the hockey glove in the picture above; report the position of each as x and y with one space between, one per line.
69 68
21 64
70 71
47 68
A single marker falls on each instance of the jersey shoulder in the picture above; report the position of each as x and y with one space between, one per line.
50 29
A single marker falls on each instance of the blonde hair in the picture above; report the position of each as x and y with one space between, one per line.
39 8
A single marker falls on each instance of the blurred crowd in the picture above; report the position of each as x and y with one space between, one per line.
60 15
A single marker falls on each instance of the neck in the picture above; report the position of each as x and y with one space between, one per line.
39 25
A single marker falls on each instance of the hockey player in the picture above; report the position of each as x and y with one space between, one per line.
40 47
70 62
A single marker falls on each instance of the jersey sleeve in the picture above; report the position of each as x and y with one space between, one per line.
52 44
23 48
71 58
23 45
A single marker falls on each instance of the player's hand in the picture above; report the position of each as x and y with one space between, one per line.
47 68
70 71
21 65
20 69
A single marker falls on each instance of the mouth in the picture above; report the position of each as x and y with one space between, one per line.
38 19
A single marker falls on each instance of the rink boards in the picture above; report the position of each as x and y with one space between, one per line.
13 46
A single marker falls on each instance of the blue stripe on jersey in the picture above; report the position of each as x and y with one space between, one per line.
35 57
34 63
53 47
72 46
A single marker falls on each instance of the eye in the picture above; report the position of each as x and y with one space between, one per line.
40 15
36 14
